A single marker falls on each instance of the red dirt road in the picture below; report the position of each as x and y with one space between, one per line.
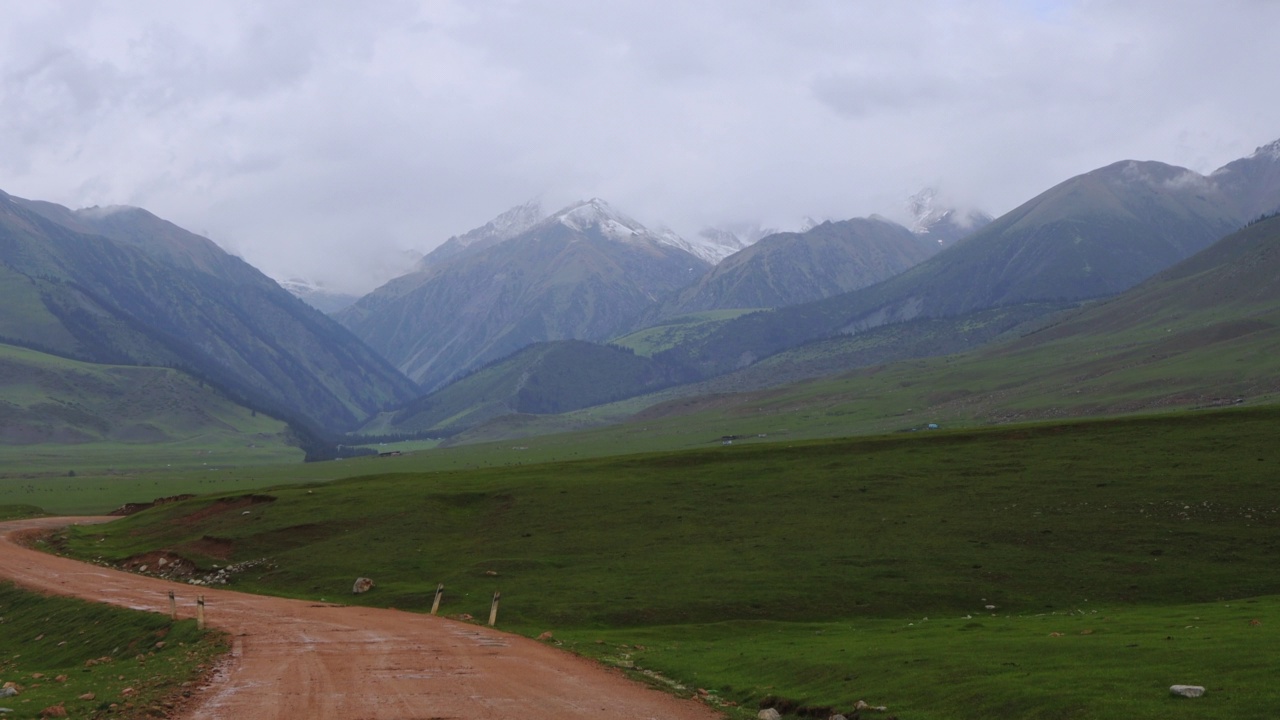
296 659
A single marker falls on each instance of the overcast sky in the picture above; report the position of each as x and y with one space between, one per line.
320 139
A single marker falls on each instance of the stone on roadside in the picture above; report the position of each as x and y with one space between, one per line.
362 585
1186 691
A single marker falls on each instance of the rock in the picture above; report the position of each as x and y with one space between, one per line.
127 692
362 585
8 692
60 678
88 696
837 716
768 714
545 636
1186 691
860 706
53 711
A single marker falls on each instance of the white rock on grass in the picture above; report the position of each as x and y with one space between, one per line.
1186 691
768 714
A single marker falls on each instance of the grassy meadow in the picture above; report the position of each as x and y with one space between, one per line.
1042 571
83 656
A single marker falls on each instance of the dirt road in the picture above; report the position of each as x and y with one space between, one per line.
295 659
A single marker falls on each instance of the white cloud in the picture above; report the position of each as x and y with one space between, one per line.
322 138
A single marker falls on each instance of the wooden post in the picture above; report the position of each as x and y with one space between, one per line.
493 609
173 606
200 612
435 604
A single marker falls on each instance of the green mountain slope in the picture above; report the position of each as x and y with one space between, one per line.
1092 236
125 287
792 268
543 378
48 399
1204 333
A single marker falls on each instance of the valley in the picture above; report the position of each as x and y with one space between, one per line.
969 468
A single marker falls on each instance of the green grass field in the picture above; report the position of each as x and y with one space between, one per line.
678 330
783 568
58 650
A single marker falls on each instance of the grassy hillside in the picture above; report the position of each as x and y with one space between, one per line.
96 650
122 286
543 378
675 331
945 574
47 399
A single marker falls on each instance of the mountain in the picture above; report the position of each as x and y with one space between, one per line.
584 273
791 268
1252 183
318 296
1094 235
48 399
720 242
543 378
933 220
122 286
509 224
1202 333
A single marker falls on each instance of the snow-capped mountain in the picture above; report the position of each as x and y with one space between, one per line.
584 272
1253 183
717 243
930 218
791 268
503 227
317 295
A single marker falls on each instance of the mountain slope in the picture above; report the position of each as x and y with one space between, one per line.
47 399
1091 236
584 273
543 378
792 268
126 287
1203 333
1252 183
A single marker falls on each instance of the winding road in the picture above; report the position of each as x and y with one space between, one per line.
295 659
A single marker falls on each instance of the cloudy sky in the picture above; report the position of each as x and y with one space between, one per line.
322 139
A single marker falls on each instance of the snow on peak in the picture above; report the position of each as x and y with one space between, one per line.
98 212
505 226
925 211
599 214
717 243
596 214
931 216
1271 152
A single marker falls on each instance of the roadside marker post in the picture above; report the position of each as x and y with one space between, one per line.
493 609
200 612
173 606
435 604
